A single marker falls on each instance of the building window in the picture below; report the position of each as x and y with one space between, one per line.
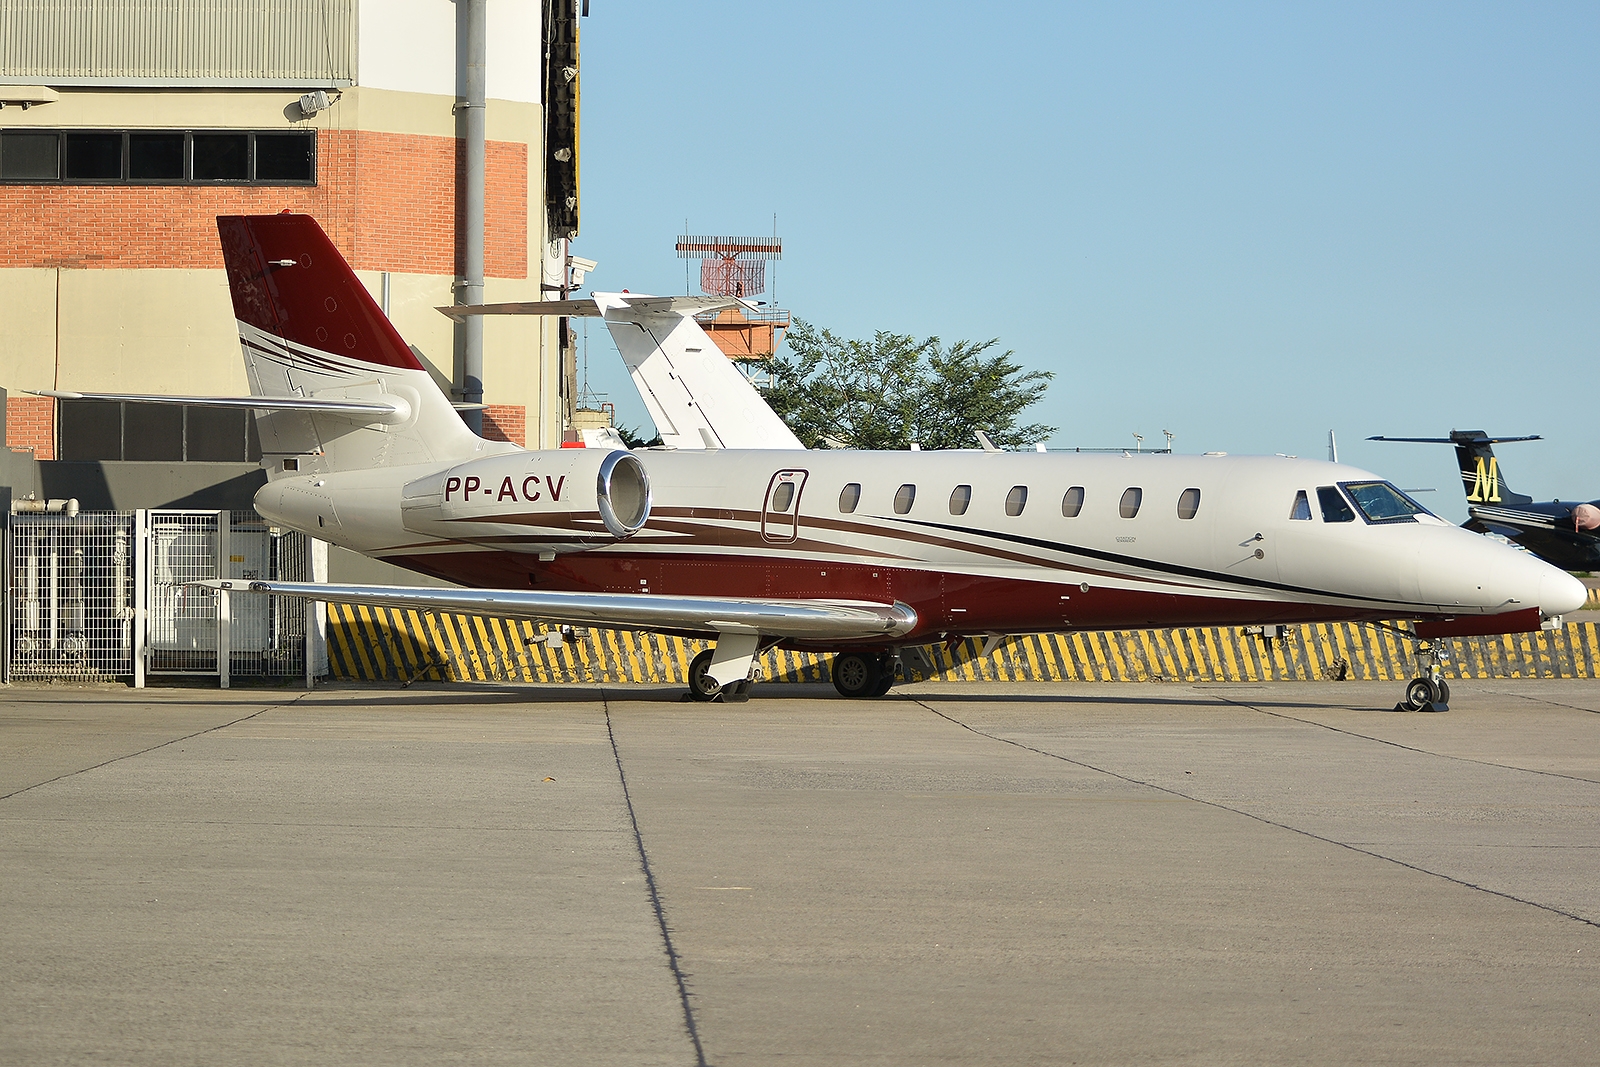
162 433
1188 503
849 497
1016 500
1072 502
904 497
960 499
1131 499
168 157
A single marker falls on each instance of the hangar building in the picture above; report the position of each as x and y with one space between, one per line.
127 126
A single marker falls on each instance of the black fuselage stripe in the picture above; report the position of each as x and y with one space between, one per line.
1144 564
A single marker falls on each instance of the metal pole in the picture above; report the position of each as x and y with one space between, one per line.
472 241
141 593
224 606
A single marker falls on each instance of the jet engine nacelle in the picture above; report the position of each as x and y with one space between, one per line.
563 500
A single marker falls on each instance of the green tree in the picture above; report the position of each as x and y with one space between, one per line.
894 390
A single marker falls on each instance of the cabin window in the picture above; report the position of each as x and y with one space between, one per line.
1016 500
1302 506
904 497
1334 508
849 497
1382 502
1072 502
1131 499
960 498
783 496
1189 503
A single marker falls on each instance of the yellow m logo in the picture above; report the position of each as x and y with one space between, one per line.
1485 483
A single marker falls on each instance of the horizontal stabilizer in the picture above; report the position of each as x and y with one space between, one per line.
599 306
377 410
1475 439
806 619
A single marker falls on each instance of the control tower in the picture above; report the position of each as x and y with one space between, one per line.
737 266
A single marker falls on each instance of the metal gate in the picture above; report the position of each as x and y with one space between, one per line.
109 595
71 603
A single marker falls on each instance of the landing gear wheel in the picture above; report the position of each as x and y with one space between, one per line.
856 675
885 677
701 685
1424 694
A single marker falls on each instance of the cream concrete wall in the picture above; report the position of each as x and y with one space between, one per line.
257 109
27 329
411 45
151 331
511 343
359 108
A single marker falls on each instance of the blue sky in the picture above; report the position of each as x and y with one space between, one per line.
1244 223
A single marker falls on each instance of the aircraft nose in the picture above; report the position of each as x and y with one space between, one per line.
1560 592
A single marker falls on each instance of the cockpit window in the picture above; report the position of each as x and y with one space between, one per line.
1302 506
1334 508
1382 502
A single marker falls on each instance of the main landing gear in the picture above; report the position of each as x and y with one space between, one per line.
863 674
1430 692
704 687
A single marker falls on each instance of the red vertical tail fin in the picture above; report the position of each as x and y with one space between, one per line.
288 280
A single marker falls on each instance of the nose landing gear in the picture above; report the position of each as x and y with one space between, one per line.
1429 692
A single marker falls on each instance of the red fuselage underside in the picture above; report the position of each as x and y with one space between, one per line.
944 603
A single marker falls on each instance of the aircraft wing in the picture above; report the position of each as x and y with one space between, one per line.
739 624
375 409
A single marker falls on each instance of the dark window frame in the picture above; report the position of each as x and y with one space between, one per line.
188 158
1016 501
250 451
1334 506
1381 520
909 491
965 500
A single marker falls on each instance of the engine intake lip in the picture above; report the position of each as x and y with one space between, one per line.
622 490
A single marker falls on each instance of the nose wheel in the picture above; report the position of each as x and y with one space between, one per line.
1429 692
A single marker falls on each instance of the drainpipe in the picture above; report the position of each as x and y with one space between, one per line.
472 282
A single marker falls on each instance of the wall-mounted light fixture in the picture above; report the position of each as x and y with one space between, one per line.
27 95
316 101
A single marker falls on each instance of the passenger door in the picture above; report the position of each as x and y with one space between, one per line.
780 514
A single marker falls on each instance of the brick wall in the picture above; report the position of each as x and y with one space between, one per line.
31 423
389 201
506 422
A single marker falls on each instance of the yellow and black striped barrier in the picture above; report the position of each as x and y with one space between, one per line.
390 645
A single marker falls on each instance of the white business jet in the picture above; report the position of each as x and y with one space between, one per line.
736 534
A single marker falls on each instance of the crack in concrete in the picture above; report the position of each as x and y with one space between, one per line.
673 959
